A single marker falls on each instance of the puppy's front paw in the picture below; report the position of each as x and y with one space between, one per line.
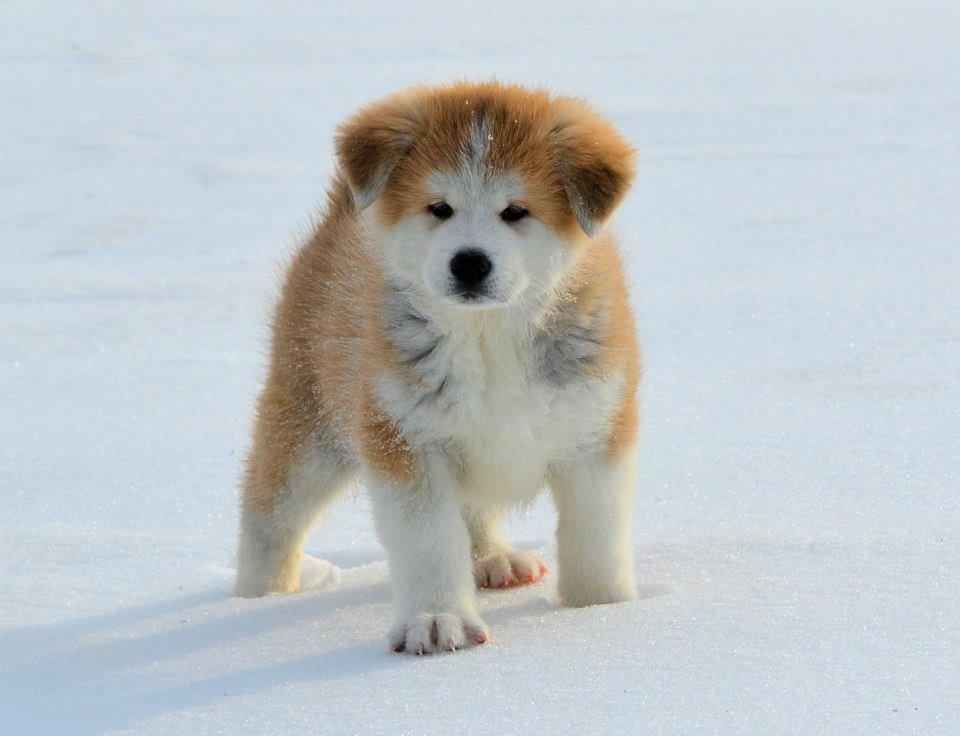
508 570
438 632
597 589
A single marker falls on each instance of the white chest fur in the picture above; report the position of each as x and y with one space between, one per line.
495 397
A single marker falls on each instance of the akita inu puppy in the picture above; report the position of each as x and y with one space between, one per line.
457 332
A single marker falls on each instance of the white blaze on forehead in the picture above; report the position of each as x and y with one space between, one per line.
475 148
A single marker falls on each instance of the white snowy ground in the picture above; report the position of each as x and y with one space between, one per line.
794 242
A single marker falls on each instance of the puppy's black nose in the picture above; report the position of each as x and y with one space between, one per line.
470 267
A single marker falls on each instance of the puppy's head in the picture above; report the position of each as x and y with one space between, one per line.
482 194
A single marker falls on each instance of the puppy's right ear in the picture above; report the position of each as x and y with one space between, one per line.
371 143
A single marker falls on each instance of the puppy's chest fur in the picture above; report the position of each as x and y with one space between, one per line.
501 398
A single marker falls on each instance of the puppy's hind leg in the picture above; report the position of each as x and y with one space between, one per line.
495 563
277 511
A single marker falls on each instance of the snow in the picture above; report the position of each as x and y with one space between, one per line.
793 245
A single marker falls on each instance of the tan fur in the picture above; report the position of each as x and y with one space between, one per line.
621 351
328 340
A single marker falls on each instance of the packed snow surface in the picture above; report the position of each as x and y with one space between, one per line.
794 250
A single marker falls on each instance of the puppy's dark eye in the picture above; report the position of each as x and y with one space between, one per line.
514 213
440 210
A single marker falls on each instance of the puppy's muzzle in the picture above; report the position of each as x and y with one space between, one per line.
470 268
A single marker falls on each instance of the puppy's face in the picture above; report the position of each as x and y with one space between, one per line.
475 240
482 195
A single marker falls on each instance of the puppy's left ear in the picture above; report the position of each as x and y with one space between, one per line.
595 164
371 143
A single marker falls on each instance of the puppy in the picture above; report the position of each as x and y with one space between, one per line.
457 332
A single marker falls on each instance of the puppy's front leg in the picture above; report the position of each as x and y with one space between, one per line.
428 547
594 498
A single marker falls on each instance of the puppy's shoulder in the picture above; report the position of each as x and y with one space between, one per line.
592 325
